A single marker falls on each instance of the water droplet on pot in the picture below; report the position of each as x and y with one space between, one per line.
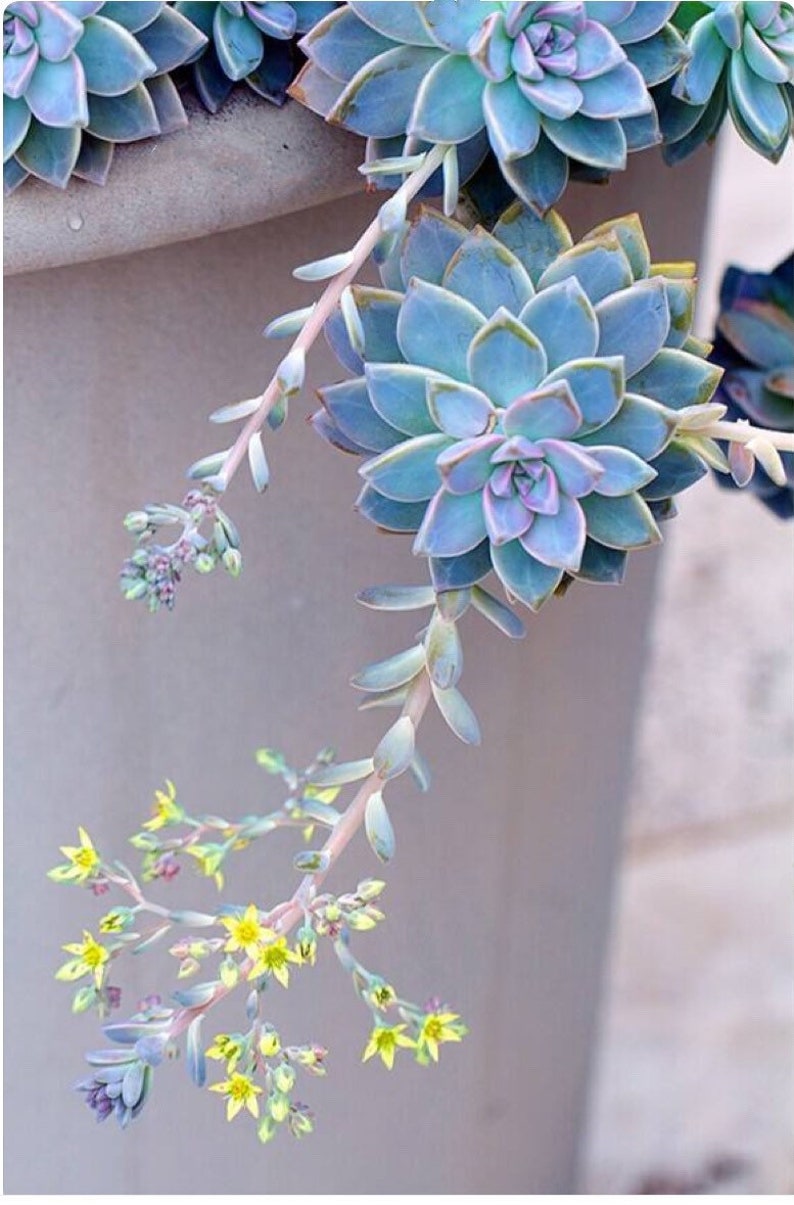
75 221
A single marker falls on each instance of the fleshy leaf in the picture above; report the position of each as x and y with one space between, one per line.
435 328
634 323
486 273
505 359
564 321
453 524
112 58
620 522
523 576
407 472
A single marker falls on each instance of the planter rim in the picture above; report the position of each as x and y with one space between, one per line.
246 164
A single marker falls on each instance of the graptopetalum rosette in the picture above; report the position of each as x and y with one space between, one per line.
516 399
542 84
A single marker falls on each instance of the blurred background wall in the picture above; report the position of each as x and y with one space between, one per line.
696 1070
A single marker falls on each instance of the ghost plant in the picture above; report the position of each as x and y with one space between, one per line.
519 403
80 76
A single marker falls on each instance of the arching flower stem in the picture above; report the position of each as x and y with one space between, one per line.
744 432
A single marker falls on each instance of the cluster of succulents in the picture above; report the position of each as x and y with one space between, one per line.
754 343
517 398
80 76
121 1078
742 63
248 41
540 84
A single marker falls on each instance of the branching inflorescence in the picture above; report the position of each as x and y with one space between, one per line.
522 404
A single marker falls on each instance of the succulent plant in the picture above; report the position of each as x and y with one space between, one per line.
516 398
742 63
82 75
755 345
540 83
248 41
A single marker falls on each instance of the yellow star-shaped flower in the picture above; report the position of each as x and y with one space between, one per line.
274 959
384 1041
82 864
240 1092
246 932
89 958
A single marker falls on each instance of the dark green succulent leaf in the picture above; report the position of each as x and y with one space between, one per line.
388 514
621 523
113 60
93 162
123 118
523 576
349 406
168 106
677 469
171 39
49 154
16 122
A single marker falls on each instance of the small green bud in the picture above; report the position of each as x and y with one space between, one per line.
136 522
204 563
284 1078
232 561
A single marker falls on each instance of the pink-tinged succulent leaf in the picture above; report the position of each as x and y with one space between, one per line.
112 58
459 410
564 321
742 463
57 32
558 540
435 328
523 576
505 518
575 469
466 466
408 472
620 522
453 524
485 273
634 323
624 472
490 49
549 412
554 96
597 386
56 93
505 360
18 71
512 121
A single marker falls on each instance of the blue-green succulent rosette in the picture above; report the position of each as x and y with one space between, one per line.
516 398
540 84
250 42
754 344
80 76
742 63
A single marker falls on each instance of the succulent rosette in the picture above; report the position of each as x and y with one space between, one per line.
755 345
248 41
516 398
742 63
540 83
82 75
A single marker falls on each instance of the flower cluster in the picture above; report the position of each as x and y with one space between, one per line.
518 397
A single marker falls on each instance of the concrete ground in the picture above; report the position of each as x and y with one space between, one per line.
696 1068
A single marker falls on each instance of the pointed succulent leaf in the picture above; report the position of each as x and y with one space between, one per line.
677 468
444 652
466 465
57 31
324 269
257 461
435 328
196 1062
350 407
386 513
634 323
460 572
398 393
538 179
675 378
459 410
598 142
132 14
505 359
563 319
408 472
448 105
597 385
497 613
550 412
659 58
312 87
486 273
641 426
624 471
631 236
170 40
524 577
56 93
378 100
113 60
452 524
512 121
761 331
238 43
429 246
558 540
50 154
400 22
602 564
534 241
620 522
123 118
341 44
339 774
600 267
